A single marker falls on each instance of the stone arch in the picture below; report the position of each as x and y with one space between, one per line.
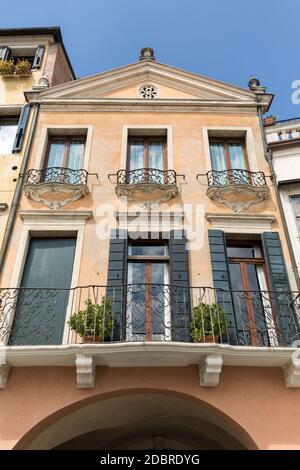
217 424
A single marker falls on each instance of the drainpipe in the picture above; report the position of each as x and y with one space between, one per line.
268 156
19 186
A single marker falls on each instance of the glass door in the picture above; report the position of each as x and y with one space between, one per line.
148 309
252 303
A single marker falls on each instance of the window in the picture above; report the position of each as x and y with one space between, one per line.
296 206
146 153
148 92
228 154
250 285
148 315
64 153
8 130
33 55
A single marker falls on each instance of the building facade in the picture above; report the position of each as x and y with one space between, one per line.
148 297
283 139
30 59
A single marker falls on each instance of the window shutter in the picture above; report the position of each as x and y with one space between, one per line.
38 57
116 278
281 296
4 53
17 147
180 287
220 271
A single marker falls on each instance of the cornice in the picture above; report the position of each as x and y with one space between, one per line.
138 105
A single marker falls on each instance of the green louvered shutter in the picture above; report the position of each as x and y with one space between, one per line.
116 278
4 53
221 279
38 57
17 147
281 296
180 287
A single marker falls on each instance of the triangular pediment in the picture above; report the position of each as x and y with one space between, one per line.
171 84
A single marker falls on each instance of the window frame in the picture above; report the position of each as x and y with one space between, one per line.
146 140
226 141
67 144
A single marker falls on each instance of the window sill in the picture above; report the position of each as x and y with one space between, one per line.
21 75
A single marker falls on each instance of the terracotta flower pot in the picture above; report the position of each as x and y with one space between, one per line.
92 339
208 339
269 121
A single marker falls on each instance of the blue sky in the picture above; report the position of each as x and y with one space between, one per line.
225 39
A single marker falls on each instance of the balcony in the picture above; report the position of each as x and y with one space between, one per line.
148 313
55 187
238 189
149 325
146 185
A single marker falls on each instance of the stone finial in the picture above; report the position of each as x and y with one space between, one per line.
44 81
254 85
147 53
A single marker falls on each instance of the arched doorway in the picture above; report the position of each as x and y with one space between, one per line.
143 420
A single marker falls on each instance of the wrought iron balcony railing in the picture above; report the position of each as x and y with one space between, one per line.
57 175
146 176
236 177
148 312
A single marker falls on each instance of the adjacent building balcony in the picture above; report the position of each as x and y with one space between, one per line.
146 185
56 186
238 189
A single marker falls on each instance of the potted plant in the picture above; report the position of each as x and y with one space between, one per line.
269 120
23 67
7 67
208 323
94 323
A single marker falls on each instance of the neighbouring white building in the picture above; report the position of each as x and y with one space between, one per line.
283 140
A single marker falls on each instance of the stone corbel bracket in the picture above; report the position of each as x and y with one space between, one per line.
85 371
210 369
291 373
238 197
67 192
4 372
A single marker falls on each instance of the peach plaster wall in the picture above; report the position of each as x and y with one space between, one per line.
256 399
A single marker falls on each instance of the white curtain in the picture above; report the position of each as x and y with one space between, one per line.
156 159
236 157
76 154
156 155
136 155
56 153
7 137
218 160
75 160
137 150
